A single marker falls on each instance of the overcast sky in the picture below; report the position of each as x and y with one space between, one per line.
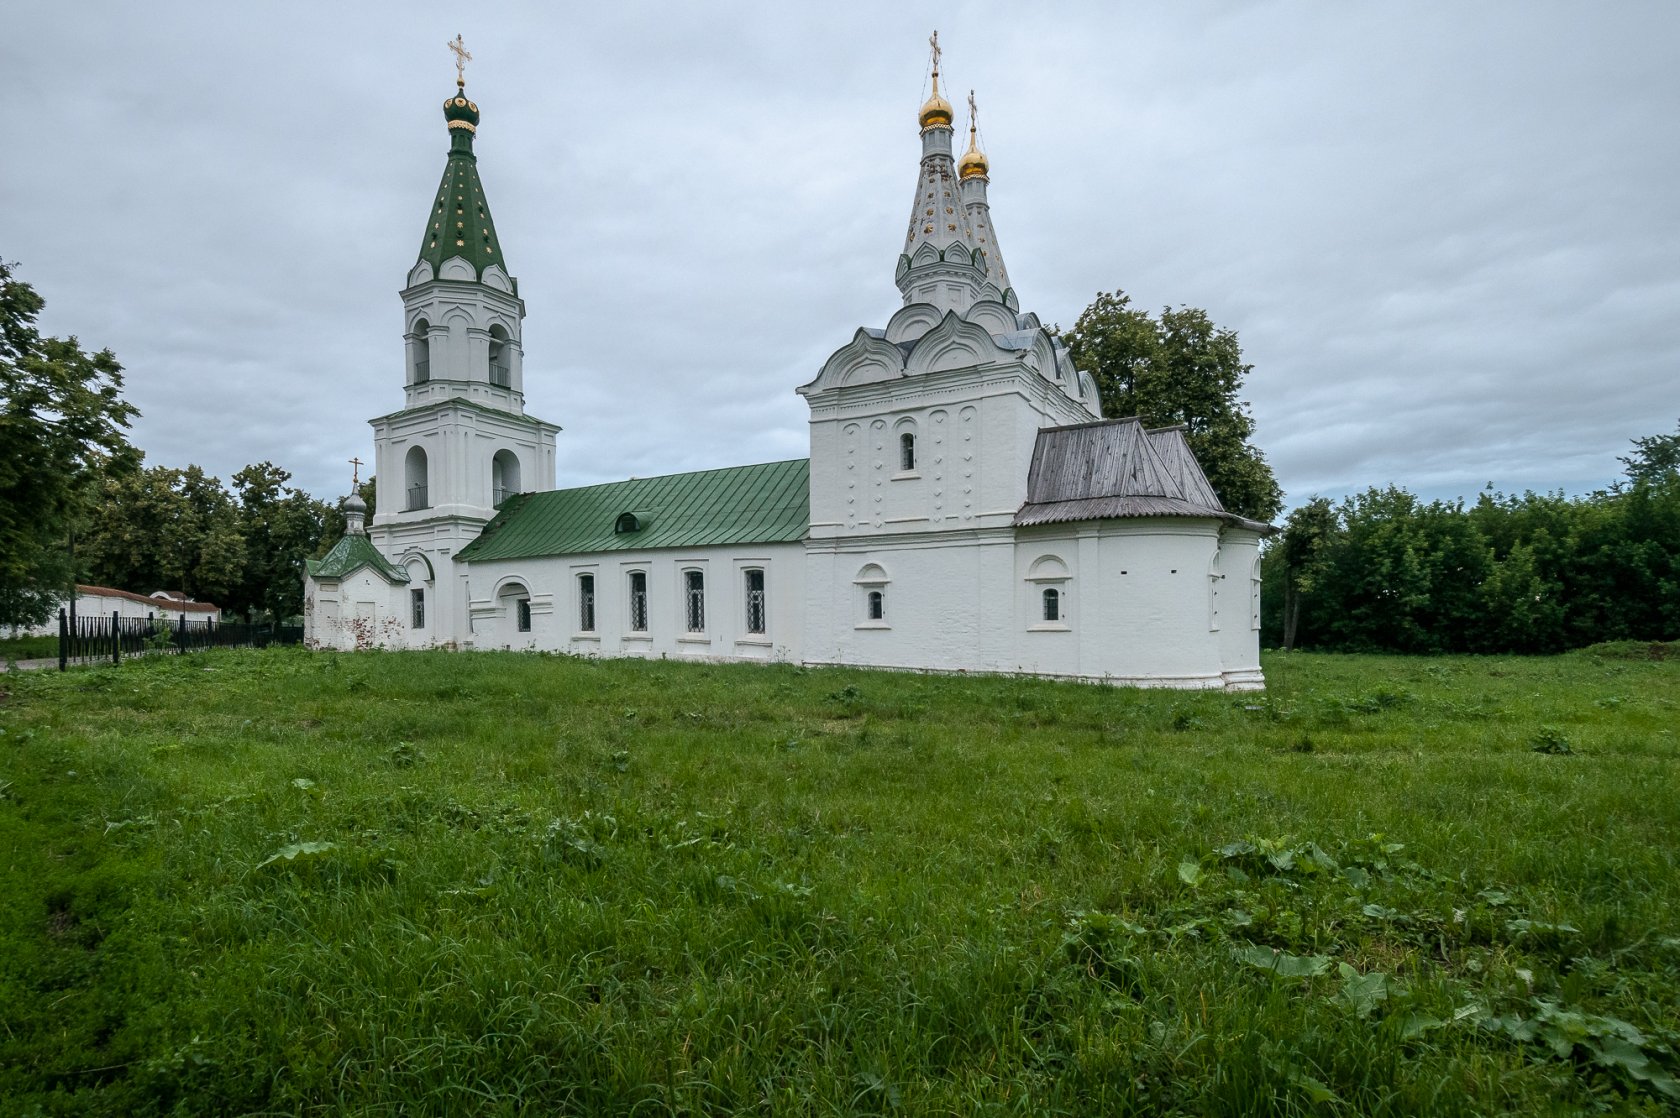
1447 234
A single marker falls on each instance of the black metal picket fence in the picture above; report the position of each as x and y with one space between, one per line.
110 637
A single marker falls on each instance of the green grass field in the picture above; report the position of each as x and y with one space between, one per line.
302 883
29 648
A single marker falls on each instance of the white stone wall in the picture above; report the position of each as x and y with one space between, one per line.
552 587
1136 603
358 612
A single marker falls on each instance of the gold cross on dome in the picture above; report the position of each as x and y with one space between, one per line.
973 113
356 465
462 57
934 43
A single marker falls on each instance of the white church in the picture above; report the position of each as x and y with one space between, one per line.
965 506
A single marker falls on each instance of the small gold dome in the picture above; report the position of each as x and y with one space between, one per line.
973 163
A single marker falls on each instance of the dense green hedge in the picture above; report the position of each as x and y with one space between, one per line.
1540 572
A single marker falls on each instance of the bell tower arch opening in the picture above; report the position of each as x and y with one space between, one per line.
415 480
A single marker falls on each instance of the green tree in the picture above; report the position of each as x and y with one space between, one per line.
281 526
163 528
62 424
1179 368
1653 458
1305 548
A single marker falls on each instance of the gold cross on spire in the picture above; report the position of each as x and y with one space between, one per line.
973 114
933 42
462 57
356 465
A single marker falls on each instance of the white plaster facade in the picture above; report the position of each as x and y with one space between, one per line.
915 550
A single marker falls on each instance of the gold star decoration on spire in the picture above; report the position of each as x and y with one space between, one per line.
462 57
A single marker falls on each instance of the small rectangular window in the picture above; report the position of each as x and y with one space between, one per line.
1052 604
522 612
417 609
694 591
906 452
586 603
877 605
755 601
638 602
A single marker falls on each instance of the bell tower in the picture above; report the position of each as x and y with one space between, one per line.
461 444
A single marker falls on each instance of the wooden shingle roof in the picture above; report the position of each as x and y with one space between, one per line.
1116 469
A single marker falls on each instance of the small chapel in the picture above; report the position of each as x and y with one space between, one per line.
965 506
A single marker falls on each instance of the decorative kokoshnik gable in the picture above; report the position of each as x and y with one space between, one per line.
964 507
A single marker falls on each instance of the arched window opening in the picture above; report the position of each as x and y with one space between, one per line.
755 601
626 522
586 603
638 601
515 599
414 479
872 582
907 452
694 595
501 360
420 349
504 477
1052 604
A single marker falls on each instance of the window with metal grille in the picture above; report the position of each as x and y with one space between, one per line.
694 592
586 603
522 612
877 605
1052 604
417 609
638 602
906 452
755 601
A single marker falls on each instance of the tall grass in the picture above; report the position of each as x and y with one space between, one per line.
281 882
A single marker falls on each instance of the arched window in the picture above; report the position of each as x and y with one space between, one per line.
420 352
694 600
907 452
626 522
414 479
515 599
501 358
1049 578
504 477
638 601
872 582
586 603
755 600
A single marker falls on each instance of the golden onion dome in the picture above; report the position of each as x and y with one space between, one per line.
973 163
936 113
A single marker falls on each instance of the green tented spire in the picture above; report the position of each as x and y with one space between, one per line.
460 223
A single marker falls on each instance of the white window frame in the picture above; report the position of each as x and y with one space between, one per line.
872 579
1050 572
631 632
686 602
586 602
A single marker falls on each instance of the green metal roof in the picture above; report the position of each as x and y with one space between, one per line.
351 553
459 224
766 503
